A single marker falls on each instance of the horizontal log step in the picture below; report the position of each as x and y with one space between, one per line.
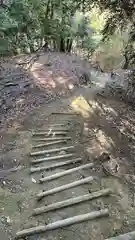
52 138
60 164
51 151
71 201
61 174
62 223
49 144
64 187
40 160
48 133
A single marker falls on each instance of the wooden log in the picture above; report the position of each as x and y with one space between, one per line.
51 151
65 113
60 164
61 174
126 236
49 144
52 138
40 160
64 187
71 201
53 132
62 223
53 129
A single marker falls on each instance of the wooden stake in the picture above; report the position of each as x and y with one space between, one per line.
48 144
126 236
70 201
39 169
64 187
48 133
52 138
62 223
51 151
40 160
60 174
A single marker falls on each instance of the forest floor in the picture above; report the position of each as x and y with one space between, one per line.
29 98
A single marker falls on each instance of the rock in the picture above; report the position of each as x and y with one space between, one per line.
33 180
5 220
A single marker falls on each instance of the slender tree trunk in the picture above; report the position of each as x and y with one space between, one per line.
62 44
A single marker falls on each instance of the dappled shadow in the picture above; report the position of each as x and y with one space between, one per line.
26 85
109 126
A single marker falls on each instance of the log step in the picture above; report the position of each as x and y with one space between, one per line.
49 144
51 151
126 236
64 187
60 174
39 169
71 201
40 160
62 223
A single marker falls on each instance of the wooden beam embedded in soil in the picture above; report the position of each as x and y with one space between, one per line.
71 201
50 132
61 174
65 113
49 144
40 160
60 164
64 187
47 129
62 223
126 236
51 151
52 138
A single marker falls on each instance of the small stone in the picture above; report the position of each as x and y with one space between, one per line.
33 180
62 152
4 183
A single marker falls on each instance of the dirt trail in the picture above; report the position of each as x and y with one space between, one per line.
103 125
97 129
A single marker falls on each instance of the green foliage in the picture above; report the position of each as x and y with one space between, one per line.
28 24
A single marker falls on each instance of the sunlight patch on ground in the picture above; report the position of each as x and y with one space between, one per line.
80 105
104 140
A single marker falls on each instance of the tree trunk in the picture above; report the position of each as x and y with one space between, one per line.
62 45
69 45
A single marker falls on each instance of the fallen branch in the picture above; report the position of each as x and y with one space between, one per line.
48 144
64 187
52 138
39 169
60 174
62 223
50 132
51 151
40 160
71 201
126 236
